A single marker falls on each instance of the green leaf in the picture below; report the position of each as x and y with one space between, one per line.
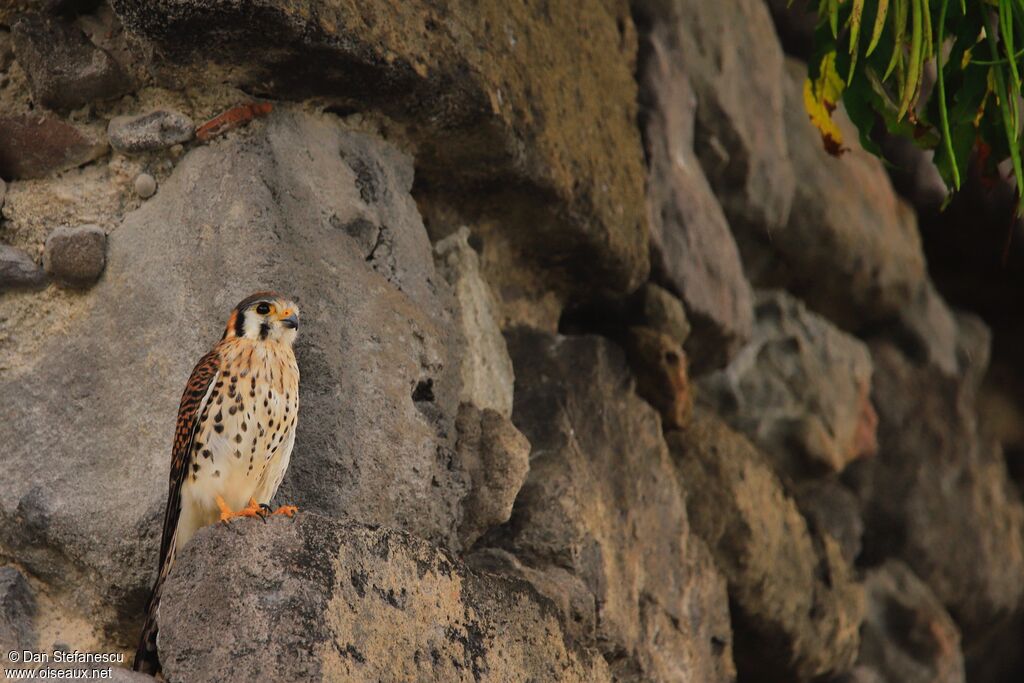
876 33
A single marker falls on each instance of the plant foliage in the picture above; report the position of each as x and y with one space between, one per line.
873 55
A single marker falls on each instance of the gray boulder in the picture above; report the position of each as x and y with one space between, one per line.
600 526
282 205
800 390
795 602
314 599
692 248
908 636
65 69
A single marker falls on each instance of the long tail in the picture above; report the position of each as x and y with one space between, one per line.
146 658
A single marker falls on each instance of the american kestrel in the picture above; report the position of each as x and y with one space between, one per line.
235 432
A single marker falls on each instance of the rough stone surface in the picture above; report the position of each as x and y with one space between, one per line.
37 145
149 132
908 636
850 249
800 390
3 192
662 311
733 59
315 599
18 269
17 610
65 69
928 330
540 101
76 256
487 376
834 509
938 496
662 379
692 248
600 525
282 206
496 456
795 605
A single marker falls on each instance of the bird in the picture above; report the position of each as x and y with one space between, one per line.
233 439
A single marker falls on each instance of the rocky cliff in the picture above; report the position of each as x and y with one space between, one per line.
609 371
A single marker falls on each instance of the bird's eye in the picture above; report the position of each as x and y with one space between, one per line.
263 308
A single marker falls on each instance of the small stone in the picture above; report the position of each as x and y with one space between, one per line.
145 185
65 69
77 255
35 146
17 610
177 150
664 312
17 269
149 132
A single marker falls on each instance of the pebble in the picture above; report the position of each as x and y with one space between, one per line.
145 185
37 145
149 132
661 310
18 269
76 256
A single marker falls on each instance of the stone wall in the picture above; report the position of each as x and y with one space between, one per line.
609 371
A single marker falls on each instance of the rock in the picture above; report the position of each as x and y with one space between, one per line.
938 497
145 185
65 69
149 132
17 611
3 192
271 207
692 248
76 256
18 269
733 58
652 601
914 173
907 635
659 364
796 607
927 329
832 508
496 456
334 601
6 49
858 674
487 376
851 249
662 311
495 95
38 145
800 390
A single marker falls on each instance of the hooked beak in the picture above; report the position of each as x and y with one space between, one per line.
291 322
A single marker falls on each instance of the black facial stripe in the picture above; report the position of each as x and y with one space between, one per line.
264 330
240 323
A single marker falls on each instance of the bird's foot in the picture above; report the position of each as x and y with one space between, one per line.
254 509
286 510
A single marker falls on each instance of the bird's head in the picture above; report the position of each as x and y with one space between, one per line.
264 316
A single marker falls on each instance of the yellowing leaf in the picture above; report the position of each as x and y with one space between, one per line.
820 98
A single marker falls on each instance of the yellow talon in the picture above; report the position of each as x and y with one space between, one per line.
226 515
288 510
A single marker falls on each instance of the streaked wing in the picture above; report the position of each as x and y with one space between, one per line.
192 402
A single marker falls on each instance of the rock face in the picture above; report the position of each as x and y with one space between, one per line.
17 609
907 635
599 475
796 607
334 601
493 93
854 257
938 497
76 256
36 145
299 204
733 58
487 376
800 390
66 70
692 248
